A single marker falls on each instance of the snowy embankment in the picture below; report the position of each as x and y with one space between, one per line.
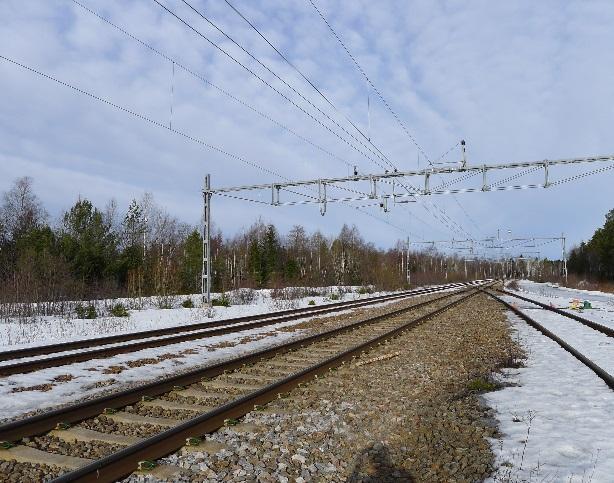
22 393
27 332
555 417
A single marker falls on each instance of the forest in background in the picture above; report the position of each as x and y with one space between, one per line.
91 253
593 261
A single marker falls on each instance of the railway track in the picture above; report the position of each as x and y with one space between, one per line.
582 357
584 321
55 355
184 407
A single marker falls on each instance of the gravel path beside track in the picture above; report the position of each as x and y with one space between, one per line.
408 411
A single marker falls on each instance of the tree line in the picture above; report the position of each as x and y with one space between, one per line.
92 252
594 259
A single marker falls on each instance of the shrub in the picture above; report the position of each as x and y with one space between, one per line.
286 298
513 285
334 296
88 312
365 290
165 301
119 310
288 293
223 301
187 304
243 296
311 302
481 385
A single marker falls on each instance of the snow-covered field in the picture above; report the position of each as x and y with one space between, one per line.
556 415
34 331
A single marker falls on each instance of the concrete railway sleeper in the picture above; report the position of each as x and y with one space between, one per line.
186 333
217 395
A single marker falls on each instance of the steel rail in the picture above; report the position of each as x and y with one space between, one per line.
600 372
46 421
102 352
113 339
124 462
589 323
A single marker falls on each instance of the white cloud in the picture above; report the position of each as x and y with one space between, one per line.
519 81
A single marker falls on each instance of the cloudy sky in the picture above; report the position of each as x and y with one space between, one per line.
519 81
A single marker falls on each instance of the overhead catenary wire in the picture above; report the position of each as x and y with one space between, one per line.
236 99
328 101
312 84
516 176
273 73
439 158
242 198
391 110
264 81
375 89
162 125
464 177
143 117
210 83
384 157
582 175
442 219
300 72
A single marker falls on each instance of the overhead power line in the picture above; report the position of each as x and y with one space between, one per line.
395 115
291 64
440 158
143 117
177 63
162 125
375 89
321 94
261 79
278 77
221 90
441 218
382 156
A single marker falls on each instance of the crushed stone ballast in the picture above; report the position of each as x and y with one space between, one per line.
103 347
229 390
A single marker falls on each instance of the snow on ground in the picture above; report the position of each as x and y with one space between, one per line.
598 347
602 303
555 418
89 378
555 290
35 331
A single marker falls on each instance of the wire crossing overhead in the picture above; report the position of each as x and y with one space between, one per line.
521 244
490 243
377 183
